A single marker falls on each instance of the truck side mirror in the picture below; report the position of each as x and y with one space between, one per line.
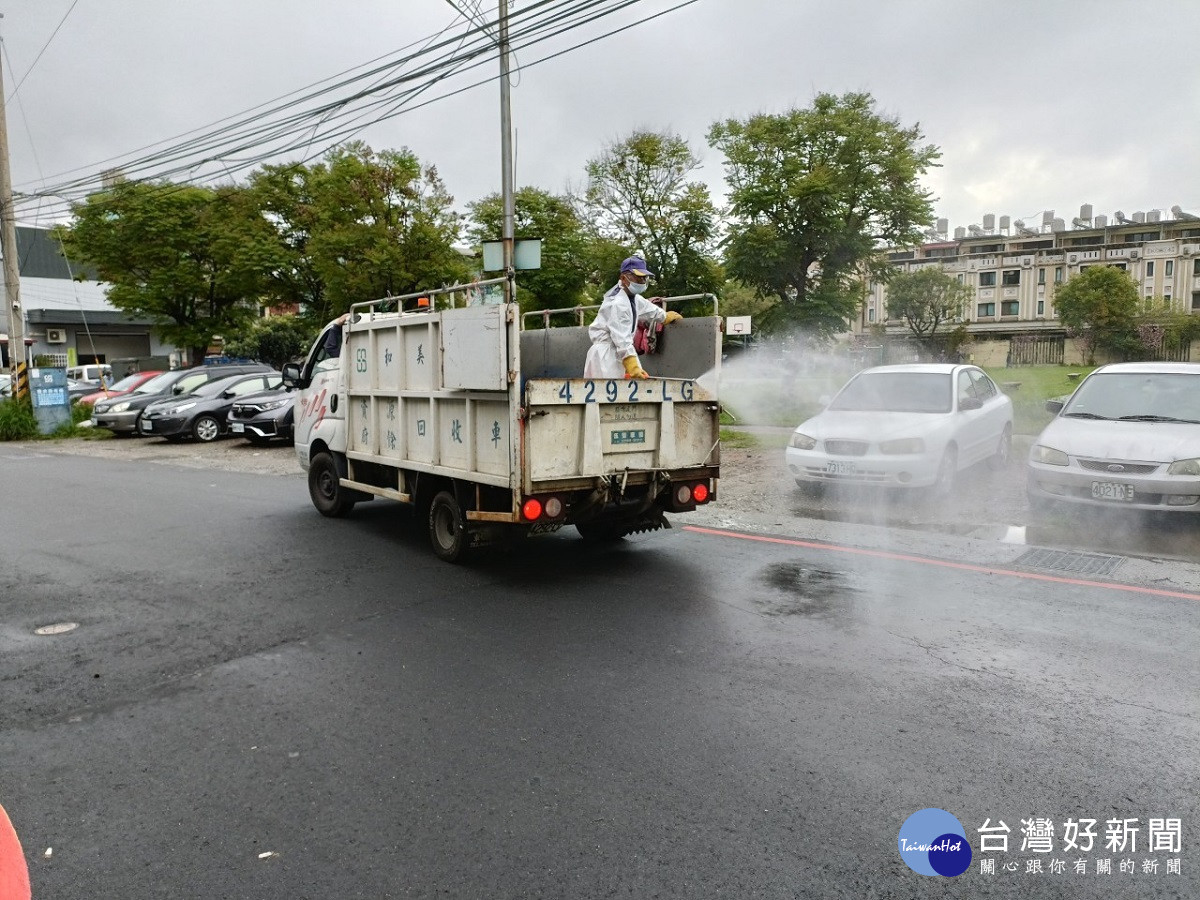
1054 406
291 376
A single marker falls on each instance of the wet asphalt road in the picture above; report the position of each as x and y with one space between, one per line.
262 703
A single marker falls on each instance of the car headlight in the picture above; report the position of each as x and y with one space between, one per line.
1184 467
182 407
1049 456
273 405
116 407
802 441
903 445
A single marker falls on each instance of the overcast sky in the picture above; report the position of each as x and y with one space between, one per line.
1036 104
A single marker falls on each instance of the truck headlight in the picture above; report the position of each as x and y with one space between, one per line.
1048 455
802 441
1184 467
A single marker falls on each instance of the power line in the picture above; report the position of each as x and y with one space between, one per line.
288 126
43 50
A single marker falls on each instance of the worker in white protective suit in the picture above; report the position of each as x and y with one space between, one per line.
612 354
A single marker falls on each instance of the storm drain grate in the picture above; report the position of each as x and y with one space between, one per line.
1071 561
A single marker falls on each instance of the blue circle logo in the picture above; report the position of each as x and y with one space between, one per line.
933 842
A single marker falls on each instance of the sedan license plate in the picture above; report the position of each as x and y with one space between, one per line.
840 468
237 428
1111 490
147 425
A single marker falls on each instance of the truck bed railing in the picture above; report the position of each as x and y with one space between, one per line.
544 315
473 293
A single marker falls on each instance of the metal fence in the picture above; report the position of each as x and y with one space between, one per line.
1041 350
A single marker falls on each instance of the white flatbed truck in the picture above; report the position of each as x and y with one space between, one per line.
489 430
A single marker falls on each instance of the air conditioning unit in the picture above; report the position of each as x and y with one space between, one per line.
56 335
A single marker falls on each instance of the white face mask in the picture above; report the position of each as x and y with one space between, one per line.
635 288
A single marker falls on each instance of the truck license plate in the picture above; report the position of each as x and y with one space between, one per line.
840 468
1110 490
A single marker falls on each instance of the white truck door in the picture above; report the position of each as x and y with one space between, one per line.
318 402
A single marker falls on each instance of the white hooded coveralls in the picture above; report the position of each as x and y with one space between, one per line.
612 332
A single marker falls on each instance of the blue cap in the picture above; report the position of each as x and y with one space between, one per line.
636 265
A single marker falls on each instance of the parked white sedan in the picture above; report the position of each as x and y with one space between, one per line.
904 426
1128 437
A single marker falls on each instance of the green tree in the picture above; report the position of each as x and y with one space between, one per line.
274 340
193 259
358 226
540 214
1099 306
813 192
639 195
925 299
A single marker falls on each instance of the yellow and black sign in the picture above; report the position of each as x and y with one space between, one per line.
21 387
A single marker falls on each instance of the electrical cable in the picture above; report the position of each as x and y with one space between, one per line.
338 118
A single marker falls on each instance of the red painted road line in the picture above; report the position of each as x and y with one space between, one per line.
966 567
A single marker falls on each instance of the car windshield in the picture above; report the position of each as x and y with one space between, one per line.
214 388
1137 396
159 383
919 392
126 383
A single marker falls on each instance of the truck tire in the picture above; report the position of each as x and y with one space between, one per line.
447 527
601 531
328 495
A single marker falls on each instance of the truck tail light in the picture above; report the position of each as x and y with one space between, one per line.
544 508
700 493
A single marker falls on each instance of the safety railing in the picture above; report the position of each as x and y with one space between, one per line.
545 315
474 293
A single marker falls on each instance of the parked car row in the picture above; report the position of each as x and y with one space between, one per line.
1128 437
199 402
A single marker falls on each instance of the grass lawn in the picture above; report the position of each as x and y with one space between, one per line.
1037 385
789 401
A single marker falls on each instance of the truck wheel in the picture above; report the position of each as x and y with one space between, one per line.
447 527
598 532
328 495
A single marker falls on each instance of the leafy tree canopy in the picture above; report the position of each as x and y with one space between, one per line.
1100 305
192 259
274 340
813 192
565 245
358 226
925 299
639 197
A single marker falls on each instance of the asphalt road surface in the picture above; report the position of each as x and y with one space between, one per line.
261 703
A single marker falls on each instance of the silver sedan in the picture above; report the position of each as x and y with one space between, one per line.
1128 437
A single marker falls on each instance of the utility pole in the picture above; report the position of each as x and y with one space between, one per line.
506 175
8 247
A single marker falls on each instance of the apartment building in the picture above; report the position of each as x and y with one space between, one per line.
1015 270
